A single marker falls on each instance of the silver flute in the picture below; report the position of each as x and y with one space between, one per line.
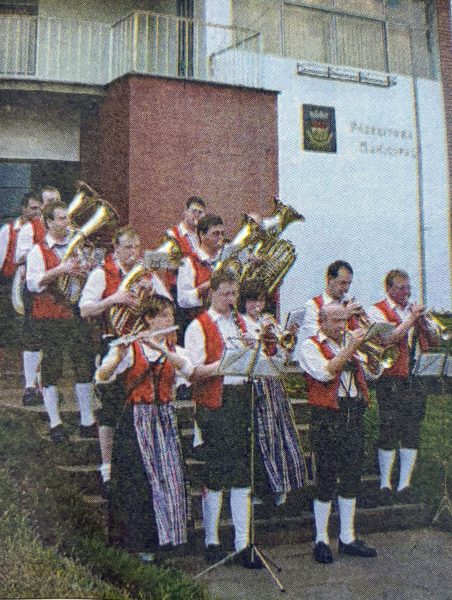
142 335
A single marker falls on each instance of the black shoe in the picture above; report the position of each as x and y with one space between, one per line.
58 434
385 497
356 548
405 496
322 553
248 559
32 397
89 431
214 553
366 502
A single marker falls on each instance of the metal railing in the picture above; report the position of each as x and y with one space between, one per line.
89 52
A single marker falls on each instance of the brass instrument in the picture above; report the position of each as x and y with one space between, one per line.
17 290
386 356
436 321
167 256
284 338
272 257
125 319
90 216
247 236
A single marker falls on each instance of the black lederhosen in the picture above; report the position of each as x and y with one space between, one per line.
10 321
55 336
226 437
110 395
337 439
401 407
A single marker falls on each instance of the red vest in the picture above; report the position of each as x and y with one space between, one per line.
183 241
48 304
162 373
9 264
39 231
203 270
113 276
401 367
352 322
324 394
208 393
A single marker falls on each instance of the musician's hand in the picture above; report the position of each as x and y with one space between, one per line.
121 351
417 311
352 308
72 266
293 328
357 337
204 288
125 298
145 285
248 340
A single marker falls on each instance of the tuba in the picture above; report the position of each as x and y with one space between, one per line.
126 320
92 219
273 257
168 256
247 236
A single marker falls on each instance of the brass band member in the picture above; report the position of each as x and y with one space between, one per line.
57 325
186 233
148 507
32 233
339 277
276 435
10 335
337 394
193 279
223 418
99 295
401 400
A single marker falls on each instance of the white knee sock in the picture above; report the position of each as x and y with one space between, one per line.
386 461
31 362
211 508
50 395
105 471
347 508
407 461
85 398
240 509
322 511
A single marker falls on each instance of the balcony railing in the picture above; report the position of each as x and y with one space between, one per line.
89 52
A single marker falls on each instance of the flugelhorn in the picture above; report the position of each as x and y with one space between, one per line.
284 338
434 320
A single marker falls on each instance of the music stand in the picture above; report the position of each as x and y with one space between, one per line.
251 363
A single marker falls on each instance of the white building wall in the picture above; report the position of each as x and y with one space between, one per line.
44 133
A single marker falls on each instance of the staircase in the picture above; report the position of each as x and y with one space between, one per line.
289 523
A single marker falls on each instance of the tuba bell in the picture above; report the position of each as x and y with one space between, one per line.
99 218
272 257
246 237
168 256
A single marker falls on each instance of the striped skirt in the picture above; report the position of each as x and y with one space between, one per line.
156 429
277 437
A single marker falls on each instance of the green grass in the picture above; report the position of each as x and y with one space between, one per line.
60 544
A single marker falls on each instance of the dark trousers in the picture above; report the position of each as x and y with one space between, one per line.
110 395
55 337
337 439
226 436
401 407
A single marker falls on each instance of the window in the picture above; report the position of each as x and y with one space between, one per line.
18 25
379 35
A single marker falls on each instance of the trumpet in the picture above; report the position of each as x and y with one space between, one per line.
143 335
435 323
273 333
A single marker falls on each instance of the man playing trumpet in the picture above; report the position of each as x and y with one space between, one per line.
338 395
401 401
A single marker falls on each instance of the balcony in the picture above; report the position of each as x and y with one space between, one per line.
94 53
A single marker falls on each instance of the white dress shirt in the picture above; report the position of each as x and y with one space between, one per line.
24 241
183 231
187 294
195 343
376 315
315 364
96 283
152 356
4 239
310 324
36 268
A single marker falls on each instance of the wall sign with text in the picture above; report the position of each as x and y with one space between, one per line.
318 124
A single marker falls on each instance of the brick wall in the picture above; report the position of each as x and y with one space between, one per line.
187 138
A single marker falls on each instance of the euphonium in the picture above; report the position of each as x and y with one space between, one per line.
101 215
127 320
273 257
247 236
